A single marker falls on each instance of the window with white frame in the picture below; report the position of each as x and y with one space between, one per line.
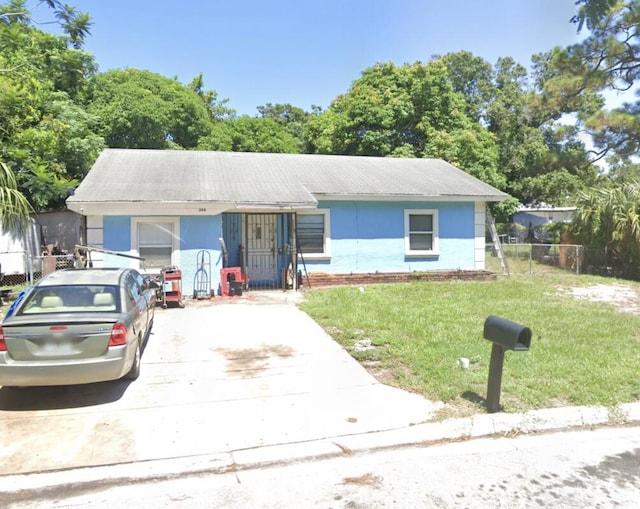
421 232
313 234
154 239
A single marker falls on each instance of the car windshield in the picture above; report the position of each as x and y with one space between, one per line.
71 299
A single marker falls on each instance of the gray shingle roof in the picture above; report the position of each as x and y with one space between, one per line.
257 179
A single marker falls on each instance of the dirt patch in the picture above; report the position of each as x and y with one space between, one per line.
383 374
623 297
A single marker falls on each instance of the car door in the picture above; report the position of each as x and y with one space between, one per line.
149 296
138 305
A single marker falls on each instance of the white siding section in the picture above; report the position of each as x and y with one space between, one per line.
480 228
95 238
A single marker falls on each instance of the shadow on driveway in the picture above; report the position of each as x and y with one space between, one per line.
63 396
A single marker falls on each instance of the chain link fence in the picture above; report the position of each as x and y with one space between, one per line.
529 259
34 269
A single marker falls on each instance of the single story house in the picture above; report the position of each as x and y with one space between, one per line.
275 214
532 220
543 214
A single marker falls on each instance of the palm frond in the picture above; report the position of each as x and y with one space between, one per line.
15 209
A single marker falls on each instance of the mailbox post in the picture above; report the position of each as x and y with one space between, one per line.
505 335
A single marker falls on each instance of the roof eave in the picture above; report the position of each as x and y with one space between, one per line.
265 206
411 197
149 208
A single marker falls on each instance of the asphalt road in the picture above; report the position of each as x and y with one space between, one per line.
586 468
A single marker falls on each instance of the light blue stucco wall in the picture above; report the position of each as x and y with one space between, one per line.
197 234
117 237
365 237
369 237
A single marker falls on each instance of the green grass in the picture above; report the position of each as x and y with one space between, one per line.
15 290
582 352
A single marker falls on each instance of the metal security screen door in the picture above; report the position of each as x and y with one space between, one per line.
261 249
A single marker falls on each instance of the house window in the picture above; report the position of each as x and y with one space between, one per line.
313 234
155 241
421 232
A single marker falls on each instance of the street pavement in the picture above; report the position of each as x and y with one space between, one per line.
227 385
551 470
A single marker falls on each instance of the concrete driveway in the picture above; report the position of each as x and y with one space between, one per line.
218 377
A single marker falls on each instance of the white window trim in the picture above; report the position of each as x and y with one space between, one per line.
175 248
326 254
436 239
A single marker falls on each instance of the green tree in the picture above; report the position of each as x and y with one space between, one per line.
250 134
541 160
141 109
407 111
625 172
220 137
75 24
611 52
608 58
46 137
291 118
55 153
607 223
377 116
472 77
216 108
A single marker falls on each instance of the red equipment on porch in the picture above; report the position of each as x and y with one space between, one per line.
171 286
232 281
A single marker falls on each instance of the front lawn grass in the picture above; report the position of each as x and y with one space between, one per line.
582 352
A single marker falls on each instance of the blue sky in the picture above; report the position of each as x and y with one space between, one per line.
307 52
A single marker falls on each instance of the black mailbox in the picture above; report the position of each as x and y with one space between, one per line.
510 335
505 335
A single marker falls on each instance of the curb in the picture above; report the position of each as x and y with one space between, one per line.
46 484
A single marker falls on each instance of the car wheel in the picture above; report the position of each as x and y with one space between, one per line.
134 372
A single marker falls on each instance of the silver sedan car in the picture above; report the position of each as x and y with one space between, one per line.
77 326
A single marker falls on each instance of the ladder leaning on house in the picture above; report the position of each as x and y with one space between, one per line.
497 245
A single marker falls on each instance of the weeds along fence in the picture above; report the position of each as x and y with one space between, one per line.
525 259
33 268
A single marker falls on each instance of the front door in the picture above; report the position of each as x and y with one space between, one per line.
261 249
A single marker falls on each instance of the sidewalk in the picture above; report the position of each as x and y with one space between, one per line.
485 425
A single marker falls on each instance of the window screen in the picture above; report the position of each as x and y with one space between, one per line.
155 244
421 232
